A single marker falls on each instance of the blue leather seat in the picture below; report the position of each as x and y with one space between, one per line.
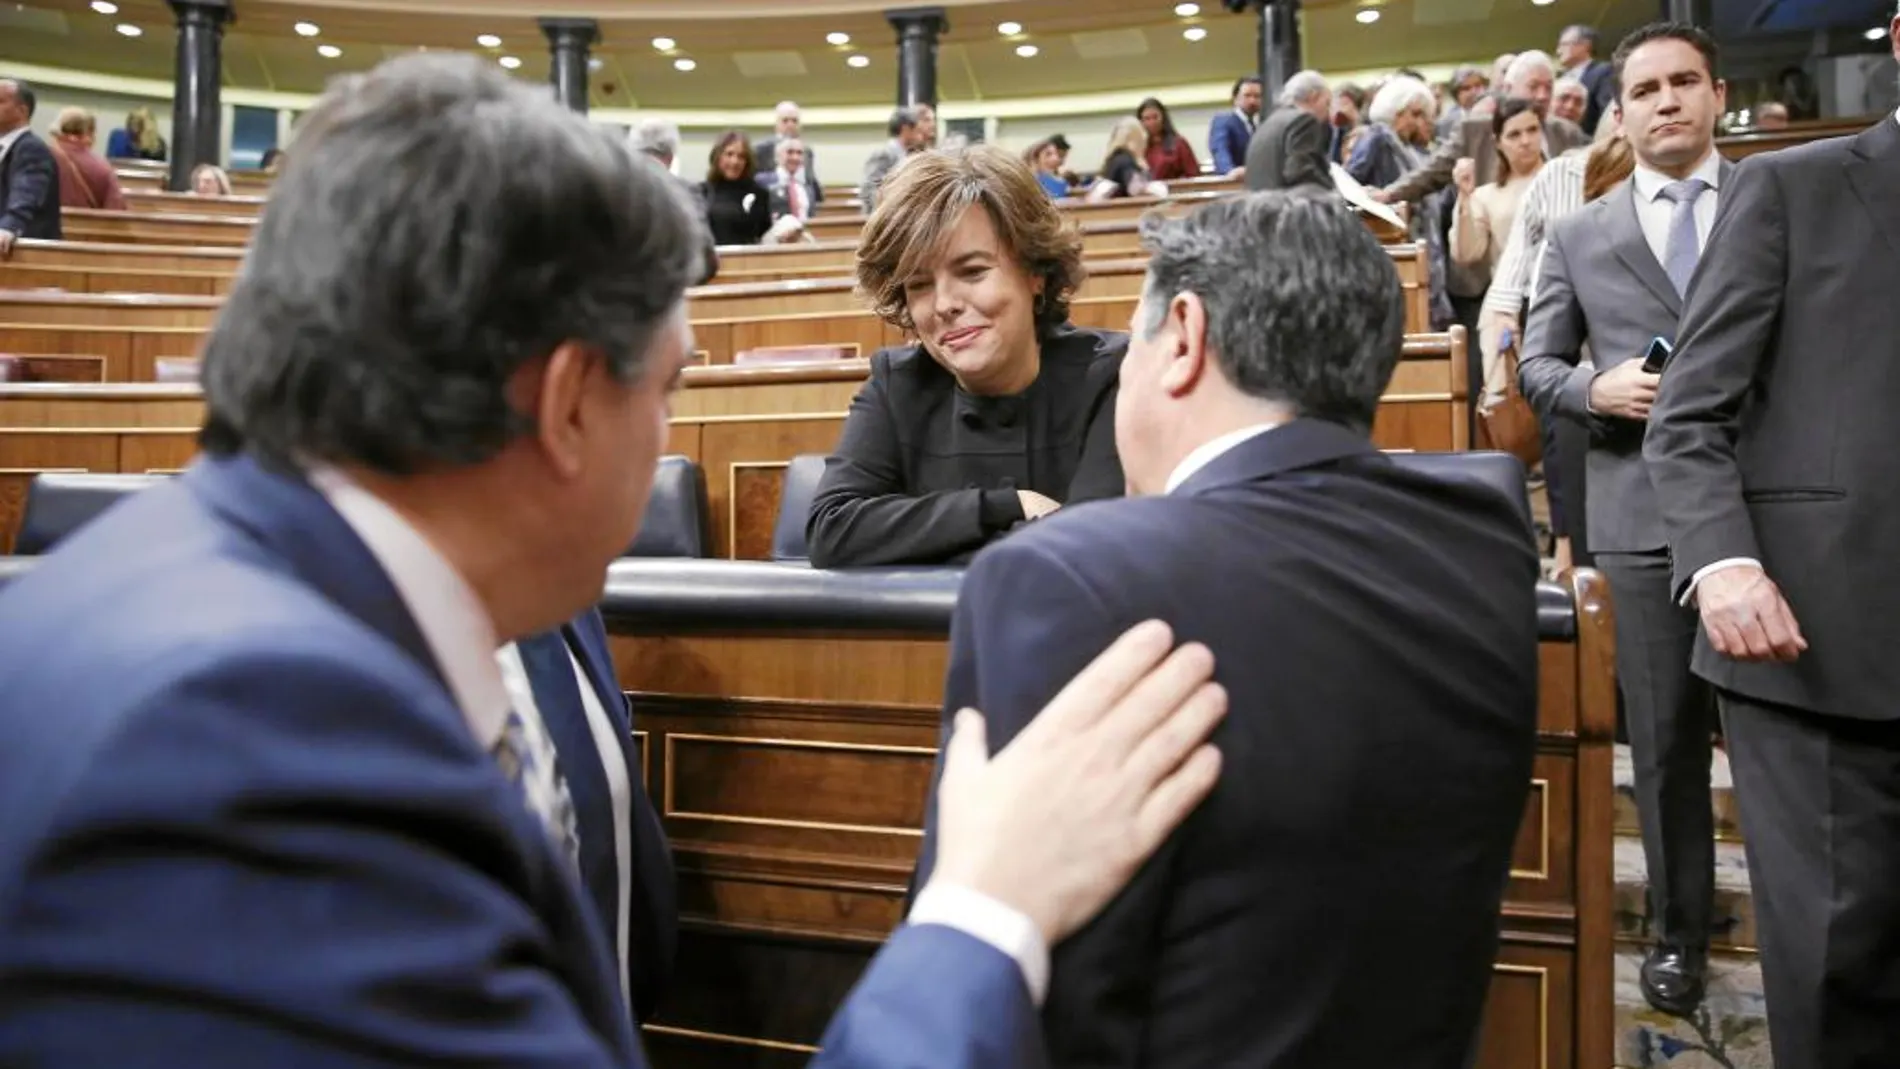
794 507
59 503
677 522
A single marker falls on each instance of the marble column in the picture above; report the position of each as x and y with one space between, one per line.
917 31
569 43
197 75
1695 12
1279 47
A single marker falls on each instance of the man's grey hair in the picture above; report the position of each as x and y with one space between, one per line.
778 150
657 138
1567 83
1523 65
1303 87
408 265
1304 307
902 119
1582 32
1396 95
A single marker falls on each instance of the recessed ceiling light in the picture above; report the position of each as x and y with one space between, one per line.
1195 33
307 29
488 40
1543 3
128 30
838 38
510 62
1876 33
105 7
858 61
665 44
329 51
594 63
684 64
1187 11
1368 16
1026 51
1009 29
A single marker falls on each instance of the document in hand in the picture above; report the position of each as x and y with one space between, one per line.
1357 196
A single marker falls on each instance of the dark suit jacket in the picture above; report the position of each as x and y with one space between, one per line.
259 832
1475 139
1600 283
927 474
1334 901
1772 437
1290 149
765 162
29 189
1599 78
1227 139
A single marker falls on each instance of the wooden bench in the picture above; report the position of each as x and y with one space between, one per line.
742 424
97 224
163 203
790 762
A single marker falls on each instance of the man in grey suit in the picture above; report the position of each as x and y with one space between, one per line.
1771 447
907 136
765 150
1614 274
1290 149
1531 76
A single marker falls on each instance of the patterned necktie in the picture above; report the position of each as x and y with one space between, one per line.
527 757
1683 248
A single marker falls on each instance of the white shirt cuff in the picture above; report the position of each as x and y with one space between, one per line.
978 915
1688 596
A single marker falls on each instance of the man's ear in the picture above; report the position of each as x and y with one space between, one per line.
552 390
1186 325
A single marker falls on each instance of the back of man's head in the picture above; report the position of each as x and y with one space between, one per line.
17 95
1301 313
1307 90
657 138
407 268
901 120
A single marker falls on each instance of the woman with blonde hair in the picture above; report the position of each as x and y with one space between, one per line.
1125 168
138 139
209 180
1001 411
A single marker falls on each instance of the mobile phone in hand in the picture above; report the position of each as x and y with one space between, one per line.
1656 356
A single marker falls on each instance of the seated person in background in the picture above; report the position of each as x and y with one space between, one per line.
1334 903
1003 412
209 180
1125 168
1771 115
138 139
272 160
1169 154
85 180
1045 159
737 207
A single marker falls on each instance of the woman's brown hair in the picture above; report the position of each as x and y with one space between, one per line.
1610 162
926 197
713 173
1507 110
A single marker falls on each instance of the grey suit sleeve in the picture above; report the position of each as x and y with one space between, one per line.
1304 161
1728 322
1429 179
1549 374
875 170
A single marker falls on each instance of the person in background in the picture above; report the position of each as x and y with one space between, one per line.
1045 159
85 180
1576 57
765 154
1291 147
907 137
138 139
1531 76
1484 215
1125 168
1169 154
791 197
737 207
1570 101
1228 135
1004 411
210 180
1061 143
1501 69
1397 143
29 180
1771 115
272 160
1349 117
926 124
1467 85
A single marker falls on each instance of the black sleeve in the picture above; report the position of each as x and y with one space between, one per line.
760 215
1121 170
863 514
1099 474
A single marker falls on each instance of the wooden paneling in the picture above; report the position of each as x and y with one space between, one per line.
735 452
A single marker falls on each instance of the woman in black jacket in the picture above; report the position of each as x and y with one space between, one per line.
1004 412
737 207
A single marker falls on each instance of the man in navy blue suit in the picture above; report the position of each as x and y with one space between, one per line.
1230 131
29 183
1335 901
269 799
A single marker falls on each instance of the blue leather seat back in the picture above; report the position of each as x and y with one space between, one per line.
59 503
794 507
677 521
1498 471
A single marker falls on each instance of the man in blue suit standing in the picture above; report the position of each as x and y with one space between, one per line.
1228 135
268 799
1335 902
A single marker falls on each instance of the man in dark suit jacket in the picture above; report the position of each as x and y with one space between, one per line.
1230 131
1530 76
29 181
1613 275
289 813
1292 148
1335 900
1576 54
765 151
1770 449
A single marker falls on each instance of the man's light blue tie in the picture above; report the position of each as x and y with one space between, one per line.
1683 248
